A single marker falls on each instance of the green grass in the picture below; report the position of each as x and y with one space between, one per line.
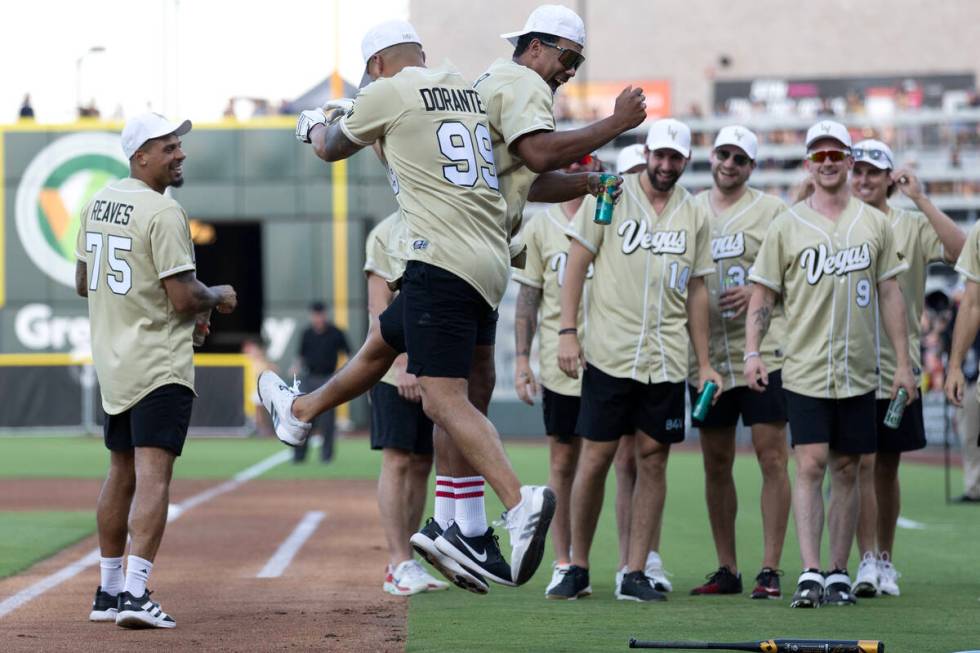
32 536
940 588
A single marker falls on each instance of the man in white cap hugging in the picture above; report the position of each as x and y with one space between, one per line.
740 217
923 236
135 263
430 127
833 260
647 302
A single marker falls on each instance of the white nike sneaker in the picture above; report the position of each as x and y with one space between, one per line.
887 576
655 571
278 398
528 524
557 574
866 583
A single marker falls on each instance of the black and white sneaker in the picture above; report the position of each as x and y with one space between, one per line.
528 524
424 542
480 553
809 590
637 586
141 612
837 589
104 607
574 584
278 398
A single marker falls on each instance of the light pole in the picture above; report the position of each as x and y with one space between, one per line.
95 49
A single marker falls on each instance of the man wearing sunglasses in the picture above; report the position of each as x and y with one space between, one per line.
739 217
647 303
833 260
540 285
924 236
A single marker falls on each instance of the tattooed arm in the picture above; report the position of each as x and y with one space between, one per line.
525 325
756 325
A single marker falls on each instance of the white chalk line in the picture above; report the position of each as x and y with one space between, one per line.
284 555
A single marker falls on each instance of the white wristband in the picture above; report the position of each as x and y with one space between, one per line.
748 355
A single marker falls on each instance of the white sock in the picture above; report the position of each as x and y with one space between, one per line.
471 514
137 572
113 577
445 501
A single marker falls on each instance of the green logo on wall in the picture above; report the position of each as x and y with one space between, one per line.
56 186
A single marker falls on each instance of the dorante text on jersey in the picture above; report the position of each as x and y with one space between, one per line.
818 261
438 98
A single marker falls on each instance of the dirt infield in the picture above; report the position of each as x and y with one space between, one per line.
329 598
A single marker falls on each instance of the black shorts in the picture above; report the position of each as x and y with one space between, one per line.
612 407
560 414
392 324
160 419
847 425
910 434
398 423
445 318
754 407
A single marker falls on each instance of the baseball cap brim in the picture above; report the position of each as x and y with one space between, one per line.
668 145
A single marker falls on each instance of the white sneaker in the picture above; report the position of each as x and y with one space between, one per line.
557 573
887 576
410 578
278 398
655 571
619 580
866 583
528 524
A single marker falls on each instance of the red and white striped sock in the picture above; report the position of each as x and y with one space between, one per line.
471 514
445 501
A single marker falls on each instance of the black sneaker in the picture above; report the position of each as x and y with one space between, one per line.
809 590
424 542
480 553
722 581
637 587
574 584
104 607
767 584
837 589
141 612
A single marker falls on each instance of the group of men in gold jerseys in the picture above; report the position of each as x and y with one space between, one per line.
806 314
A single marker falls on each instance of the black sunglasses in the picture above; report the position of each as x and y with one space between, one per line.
738 159
567 58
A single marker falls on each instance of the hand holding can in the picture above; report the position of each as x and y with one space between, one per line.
604 202
893 417
703 402
202 327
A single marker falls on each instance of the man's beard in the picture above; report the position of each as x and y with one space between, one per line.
661 186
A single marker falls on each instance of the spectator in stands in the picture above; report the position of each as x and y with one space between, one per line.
26 110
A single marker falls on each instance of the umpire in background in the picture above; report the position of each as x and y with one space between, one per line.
320 345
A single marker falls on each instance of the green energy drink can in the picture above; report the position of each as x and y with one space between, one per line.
604 203
729 281
895 409
703 402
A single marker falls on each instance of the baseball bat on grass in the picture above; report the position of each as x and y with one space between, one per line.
772 645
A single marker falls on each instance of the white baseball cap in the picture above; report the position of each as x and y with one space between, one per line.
874 152
670 133
387 34
555 20
739 137
146 127
629 156
828 129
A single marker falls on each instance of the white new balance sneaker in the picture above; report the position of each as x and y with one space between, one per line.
866 583
528 524
655 571
278 398
887 576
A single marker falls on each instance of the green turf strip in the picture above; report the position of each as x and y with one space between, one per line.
26 537
936 612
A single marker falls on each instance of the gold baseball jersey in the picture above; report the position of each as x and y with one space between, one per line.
828 274
637 313
919 242
736 235
432 128
386 247
547 255
968 264
132 237
518 102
